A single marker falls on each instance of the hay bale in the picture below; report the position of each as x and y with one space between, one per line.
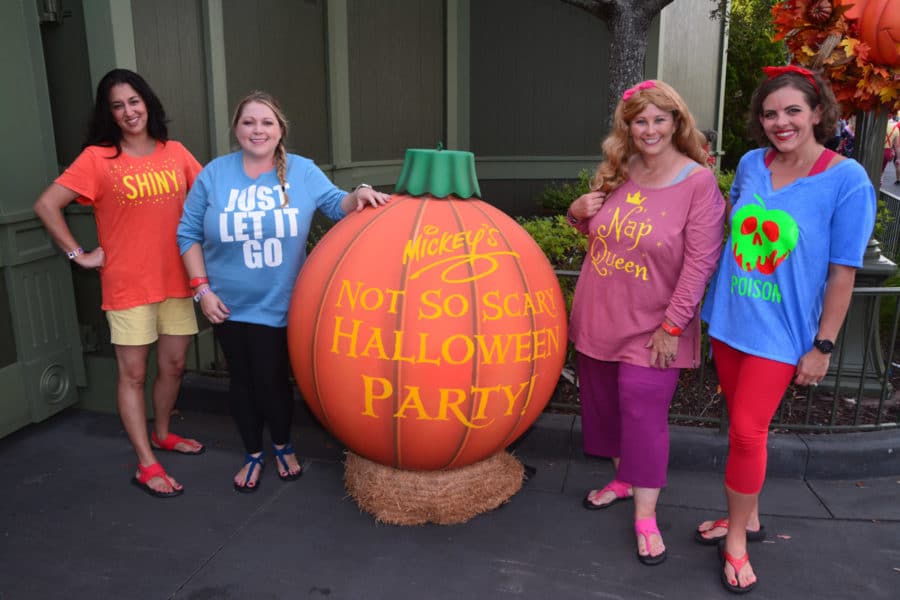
402 497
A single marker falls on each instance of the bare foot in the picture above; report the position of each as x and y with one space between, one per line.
182 445
161 484
601 498
657 546
745 577
240 478
290 460
709 531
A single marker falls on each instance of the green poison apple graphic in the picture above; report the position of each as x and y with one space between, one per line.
762 239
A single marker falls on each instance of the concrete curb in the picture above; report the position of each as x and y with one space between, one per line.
791 455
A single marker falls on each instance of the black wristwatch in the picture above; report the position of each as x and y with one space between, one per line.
824 346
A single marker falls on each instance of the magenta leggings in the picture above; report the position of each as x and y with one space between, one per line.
753 388
625 414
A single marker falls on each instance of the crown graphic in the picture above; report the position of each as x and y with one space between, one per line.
635 198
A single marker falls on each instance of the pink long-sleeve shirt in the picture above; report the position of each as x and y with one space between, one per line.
651 252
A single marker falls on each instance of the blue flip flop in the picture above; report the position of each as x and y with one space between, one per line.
253 461
279 455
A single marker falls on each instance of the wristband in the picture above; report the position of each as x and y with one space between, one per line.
202 293
73 254
198 281
672 330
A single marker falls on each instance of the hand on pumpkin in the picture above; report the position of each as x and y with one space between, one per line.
366 196
588 205
663 349
213 308
812 368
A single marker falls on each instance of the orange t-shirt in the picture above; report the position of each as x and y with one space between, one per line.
137 203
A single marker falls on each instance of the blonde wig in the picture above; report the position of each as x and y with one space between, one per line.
619 147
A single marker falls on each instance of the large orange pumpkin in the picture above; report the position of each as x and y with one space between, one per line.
429 333
879 28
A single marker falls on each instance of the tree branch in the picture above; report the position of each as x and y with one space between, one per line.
650 8
602 9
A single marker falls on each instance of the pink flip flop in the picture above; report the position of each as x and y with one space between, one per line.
619 488
646 528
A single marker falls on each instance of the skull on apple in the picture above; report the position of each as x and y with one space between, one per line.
761 238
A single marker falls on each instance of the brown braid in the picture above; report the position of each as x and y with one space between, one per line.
281 169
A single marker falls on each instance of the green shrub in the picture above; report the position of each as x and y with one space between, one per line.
725 178
556 197
563 245
883 218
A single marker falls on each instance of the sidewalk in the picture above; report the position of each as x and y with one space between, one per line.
73 527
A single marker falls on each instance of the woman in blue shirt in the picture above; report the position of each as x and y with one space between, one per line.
243 240
800 222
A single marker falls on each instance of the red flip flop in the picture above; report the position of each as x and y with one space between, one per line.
171 441
737 564
752 536
149 472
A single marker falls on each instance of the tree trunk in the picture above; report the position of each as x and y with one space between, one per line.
628 22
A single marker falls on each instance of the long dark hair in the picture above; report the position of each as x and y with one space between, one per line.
103 130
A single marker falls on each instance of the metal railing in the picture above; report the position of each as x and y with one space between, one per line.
860 393
890 237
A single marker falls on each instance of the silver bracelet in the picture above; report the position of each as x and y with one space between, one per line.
362 185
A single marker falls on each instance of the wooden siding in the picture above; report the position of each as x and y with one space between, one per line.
279 46
538 73
690 63
396 50
168 44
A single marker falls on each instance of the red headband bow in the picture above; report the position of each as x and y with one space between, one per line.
773 72
644 85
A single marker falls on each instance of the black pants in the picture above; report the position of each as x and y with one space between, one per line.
260 390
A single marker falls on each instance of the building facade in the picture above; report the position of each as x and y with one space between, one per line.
521 83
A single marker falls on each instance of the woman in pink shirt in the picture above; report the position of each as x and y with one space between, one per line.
654 219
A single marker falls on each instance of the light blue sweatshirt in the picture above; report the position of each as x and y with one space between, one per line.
252 245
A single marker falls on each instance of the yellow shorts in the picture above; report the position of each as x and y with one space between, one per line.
143 324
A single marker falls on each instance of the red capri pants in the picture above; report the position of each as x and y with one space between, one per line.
753 389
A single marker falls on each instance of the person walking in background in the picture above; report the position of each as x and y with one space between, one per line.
136 180
891 145
847 137
893 138
654 221
800 222
243 241
710 136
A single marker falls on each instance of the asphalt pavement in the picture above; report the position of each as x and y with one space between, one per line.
72 526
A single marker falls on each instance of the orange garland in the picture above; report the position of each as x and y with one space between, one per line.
813 29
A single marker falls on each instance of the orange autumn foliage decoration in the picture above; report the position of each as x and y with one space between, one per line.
853 42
